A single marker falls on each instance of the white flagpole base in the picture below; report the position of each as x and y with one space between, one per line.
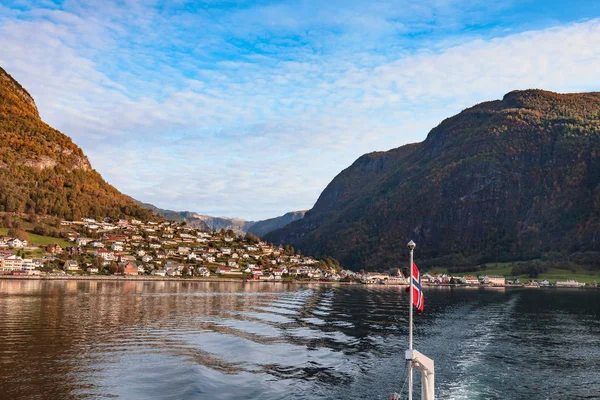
426 366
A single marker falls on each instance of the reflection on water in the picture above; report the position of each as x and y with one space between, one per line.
178 340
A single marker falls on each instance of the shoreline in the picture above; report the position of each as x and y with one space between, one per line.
158 279
114 278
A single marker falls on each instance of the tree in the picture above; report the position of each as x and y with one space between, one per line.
112 269
185 271
18 233
98 263
252 238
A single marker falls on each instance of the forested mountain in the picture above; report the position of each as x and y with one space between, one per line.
513 179
43 172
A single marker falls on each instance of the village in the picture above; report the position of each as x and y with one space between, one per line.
161 249
132 248
466 280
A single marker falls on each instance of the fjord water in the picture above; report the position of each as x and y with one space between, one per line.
198 340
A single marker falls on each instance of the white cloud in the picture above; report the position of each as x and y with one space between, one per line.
261 134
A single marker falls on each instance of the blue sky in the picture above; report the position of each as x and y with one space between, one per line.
250 108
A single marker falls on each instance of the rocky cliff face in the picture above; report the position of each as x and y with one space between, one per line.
505 180
42 171
261 228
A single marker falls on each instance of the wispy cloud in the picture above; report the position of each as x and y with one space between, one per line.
251 109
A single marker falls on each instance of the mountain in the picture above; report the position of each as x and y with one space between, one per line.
261 228
190 218
512 179
43 172
240 226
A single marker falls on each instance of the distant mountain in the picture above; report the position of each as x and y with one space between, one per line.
43 172
239 226
513 179
261 228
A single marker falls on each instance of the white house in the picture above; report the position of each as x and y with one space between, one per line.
81 242
495 280
116 247
17 243
227 271
30 264
182 250
105 254
71 266
11 263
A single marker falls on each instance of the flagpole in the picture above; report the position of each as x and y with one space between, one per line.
411 246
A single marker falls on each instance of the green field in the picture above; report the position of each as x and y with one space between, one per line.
38 240
552 275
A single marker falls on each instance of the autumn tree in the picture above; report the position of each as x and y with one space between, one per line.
18 233
252 238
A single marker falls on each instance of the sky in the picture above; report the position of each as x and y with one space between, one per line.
250 108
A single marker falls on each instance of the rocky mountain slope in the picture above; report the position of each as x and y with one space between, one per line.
513 179
238 225
261 228
43 172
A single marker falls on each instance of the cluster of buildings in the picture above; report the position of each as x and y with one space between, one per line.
470 280
133 247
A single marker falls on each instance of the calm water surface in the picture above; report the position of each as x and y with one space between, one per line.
193 340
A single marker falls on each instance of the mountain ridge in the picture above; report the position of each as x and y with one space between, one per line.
42 171
487 184
238 225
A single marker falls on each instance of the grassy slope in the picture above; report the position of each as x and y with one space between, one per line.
40 240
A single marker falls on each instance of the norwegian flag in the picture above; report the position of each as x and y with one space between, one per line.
418 298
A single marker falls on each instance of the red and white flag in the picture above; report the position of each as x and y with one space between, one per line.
418 298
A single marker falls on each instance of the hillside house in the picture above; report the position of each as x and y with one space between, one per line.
104 254
183 250
16 243
54 248
570 283
71 266
495 280
30 264
227 271
129 268
11 263
82 242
